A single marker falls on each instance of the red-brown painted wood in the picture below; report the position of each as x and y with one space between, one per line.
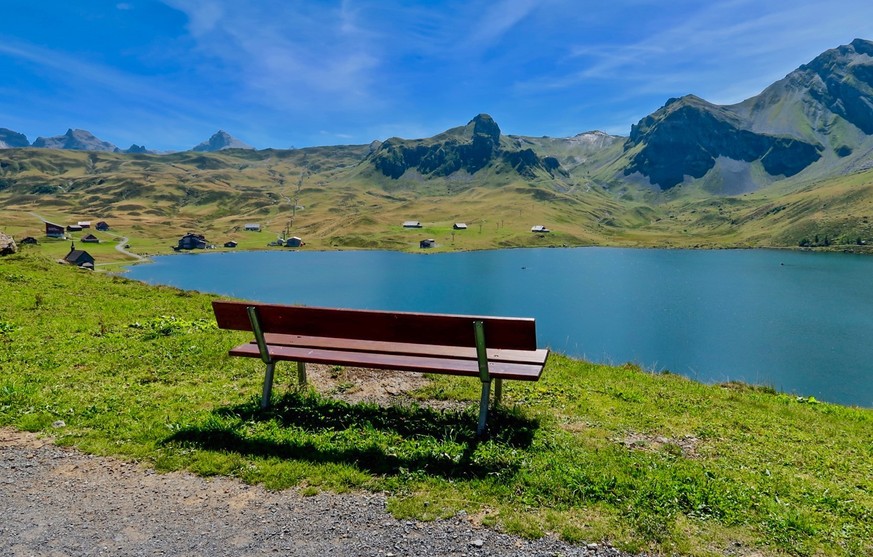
403 362
423 342
440 351
384 326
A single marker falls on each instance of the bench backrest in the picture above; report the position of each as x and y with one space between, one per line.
387 326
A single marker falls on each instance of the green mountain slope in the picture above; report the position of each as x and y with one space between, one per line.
787 167
815 123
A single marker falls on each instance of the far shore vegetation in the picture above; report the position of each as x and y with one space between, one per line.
591 453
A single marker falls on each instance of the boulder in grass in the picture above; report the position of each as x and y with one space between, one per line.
7 245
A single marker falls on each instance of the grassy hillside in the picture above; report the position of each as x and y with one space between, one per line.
591 452
838 209
333 200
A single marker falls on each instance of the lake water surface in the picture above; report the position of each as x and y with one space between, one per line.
800 322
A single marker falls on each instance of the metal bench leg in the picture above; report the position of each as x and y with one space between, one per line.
498 390
484 375
268 385
483 408
265 355
301 375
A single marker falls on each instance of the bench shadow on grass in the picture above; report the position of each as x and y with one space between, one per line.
418 436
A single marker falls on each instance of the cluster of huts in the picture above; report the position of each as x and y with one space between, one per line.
192 240
197 241
292 242
417 224
60 232
428 243
78 257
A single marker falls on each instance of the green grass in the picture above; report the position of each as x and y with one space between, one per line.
594 453
155 199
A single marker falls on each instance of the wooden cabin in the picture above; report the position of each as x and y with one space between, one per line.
191 241
55 231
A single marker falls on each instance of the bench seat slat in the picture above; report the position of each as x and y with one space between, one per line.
460 352
425 363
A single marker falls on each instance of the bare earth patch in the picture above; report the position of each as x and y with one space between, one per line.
379 386
685 446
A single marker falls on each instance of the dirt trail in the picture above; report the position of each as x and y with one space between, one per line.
57 501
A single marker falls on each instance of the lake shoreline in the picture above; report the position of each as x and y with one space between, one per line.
146 258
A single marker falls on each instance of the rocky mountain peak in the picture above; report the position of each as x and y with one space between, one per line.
840 80
469 148
78 140
595 139
135 149
823 109
10 139
484 128
685 138
221 140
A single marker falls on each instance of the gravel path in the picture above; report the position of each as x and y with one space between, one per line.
121 247
59 502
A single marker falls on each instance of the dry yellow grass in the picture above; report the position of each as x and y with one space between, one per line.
331 201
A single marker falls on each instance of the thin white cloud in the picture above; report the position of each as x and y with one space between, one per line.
294 54
61 63
730 49
203 15
501 17
376 68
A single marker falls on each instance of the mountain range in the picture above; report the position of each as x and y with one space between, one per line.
83 140
817 121
680 168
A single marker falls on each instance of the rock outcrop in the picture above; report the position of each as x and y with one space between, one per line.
219 141
11 139
7 245
78 140
840 81
135 149
469 148
821 111
688 135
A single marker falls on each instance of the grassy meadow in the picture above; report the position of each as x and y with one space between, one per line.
594 453
331 200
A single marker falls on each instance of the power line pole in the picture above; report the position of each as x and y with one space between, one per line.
297 198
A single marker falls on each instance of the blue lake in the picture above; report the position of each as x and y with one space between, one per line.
796 321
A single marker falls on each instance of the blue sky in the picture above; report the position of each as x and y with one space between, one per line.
283 73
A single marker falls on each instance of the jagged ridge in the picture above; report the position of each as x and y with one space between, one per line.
687 135
821 111
469 148
77 140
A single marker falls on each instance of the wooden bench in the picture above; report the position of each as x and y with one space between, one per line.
490 348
